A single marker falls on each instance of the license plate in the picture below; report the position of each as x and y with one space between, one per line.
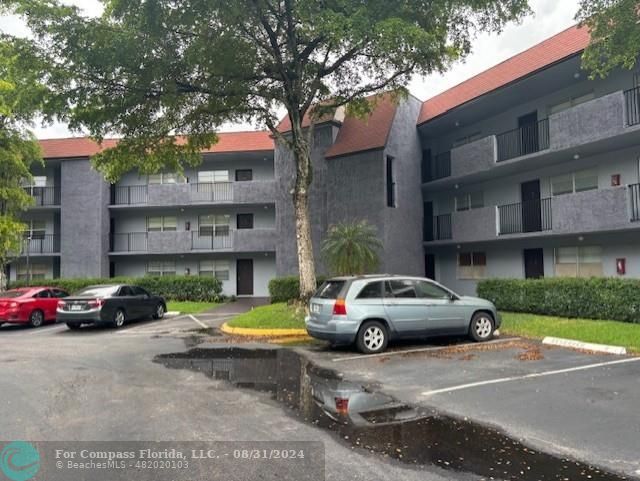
315 308
76 307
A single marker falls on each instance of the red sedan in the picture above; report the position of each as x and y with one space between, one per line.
30 305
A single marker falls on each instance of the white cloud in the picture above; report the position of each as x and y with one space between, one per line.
550 17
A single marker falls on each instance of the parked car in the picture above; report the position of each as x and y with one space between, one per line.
30 305
372 310
113 304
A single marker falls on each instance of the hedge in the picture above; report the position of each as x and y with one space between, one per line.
593 298
173 288
285 289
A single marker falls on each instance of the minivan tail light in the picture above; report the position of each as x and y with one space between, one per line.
340 308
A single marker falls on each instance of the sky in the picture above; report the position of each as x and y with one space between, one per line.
549 17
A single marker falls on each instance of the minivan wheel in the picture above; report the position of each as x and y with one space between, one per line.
36 318
159 312
482 327
118 318
372 337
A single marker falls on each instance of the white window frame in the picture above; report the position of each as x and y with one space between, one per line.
220 269
164 178
161 268
579 259
571 102
468 196
217 224
472 271
38 271
573 176
164 225
213 176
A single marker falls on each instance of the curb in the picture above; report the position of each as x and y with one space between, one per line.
252 332
587 346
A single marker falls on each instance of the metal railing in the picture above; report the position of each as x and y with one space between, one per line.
632 104
41 244
129 194
129 242
212 192
44 196
524 140
528 216
210 241
634 197
442 227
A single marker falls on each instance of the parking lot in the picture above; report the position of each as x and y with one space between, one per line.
584 405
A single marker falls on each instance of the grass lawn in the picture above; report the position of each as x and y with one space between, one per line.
187 307
600 332
273 316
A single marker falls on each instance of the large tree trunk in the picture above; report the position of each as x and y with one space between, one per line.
306 264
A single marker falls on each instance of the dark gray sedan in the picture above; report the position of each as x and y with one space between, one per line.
113 304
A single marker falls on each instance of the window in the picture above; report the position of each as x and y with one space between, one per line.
125 291
38 271
59 293
584 261
473 200
217 225
373 290
162 223
391 183
165 178
245 221
46 294
36 229
427 290
329 290
403 288
572 102
244 175
213 176
574 182
218 269
467 139
472 265
161 268
37 181
139 291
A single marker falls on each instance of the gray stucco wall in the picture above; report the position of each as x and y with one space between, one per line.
474 225
474 156
84 221
594 210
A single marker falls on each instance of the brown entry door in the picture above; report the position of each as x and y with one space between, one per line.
244 277
533 263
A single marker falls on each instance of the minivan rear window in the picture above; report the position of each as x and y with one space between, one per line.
329 290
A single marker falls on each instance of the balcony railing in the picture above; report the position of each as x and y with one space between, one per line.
41 244
634 194
528 216
44 196
129 194
211 242
129 242
212 192
442 227
632 104
524 140
438 167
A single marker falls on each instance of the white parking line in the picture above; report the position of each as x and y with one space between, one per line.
529 376
195 319
422 349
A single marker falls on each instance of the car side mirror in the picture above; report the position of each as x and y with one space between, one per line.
453 297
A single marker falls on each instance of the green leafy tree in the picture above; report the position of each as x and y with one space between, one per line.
147 69
21 98
615 34
352 248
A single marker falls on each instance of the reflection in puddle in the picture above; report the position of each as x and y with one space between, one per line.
375 421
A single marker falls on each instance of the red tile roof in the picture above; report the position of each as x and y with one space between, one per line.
84 147
360 134
559 47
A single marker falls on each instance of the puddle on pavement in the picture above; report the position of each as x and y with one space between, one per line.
371 420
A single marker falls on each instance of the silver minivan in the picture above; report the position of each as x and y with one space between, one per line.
371 310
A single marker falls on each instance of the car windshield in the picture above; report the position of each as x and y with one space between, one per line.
11 294
329 290
97 291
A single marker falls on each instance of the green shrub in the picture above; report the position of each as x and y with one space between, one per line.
593 298
173 288
285 289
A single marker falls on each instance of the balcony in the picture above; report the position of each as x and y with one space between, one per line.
44 196
525 140
255 240
474 225
41 244
250 192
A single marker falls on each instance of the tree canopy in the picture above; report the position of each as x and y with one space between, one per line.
615 34
148 69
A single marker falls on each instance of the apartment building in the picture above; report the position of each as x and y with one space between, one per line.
526 170
531 169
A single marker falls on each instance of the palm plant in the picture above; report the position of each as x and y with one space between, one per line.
352 248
